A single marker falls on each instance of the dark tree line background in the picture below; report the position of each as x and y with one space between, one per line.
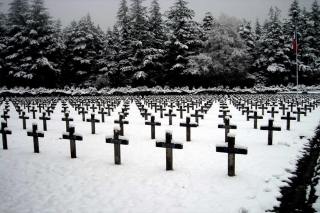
147 48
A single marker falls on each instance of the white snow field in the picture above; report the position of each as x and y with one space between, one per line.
51 181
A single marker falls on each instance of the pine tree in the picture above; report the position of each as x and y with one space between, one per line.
17 40
183 42
45 49
273 61
207 25
247 34
315 34
84 48
2 45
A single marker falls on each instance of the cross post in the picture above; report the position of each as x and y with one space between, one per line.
167 143
270 129
121 121
170 115
227 126
67 119
153 123
197 115
102 112
72 136
4 131
93 123
33 110
181 111
44 118
117 141
298 112
35 134
24 117
188 124
255 117
288 118
83 112
231 149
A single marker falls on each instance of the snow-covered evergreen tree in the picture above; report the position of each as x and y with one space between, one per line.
17 41
248 36
314 17
84 46
273 60
45 49
183 42
207 25
2 45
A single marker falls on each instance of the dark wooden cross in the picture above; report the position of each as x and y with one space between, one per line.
35 134
181 111
124 112
102 112
4 131
145 114
24 117
117 141
170 115
19 110
167 143
247 110
44 119
298 112
49 111
224 111
72 136
231 149
108 108
188 124
67 119
227 126
283 108
306 108
40 106
188 107
263 108
64 109
93 108
121 121
5 115
153 123
270 129
83 112
33 110
197 116
255 117
288 118
161 109
272 111
93 123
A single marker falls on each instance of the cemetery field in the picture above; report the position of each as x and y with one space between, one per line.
89 181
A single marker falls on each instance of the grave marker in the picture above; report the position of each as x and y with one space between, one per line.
67 119
255 117
153 123
231 149
45 119
167 143
227 126
4 131
35 134
121 121
170 115
93 123
23 117
270 129
72 136
288 118
117 141
188 124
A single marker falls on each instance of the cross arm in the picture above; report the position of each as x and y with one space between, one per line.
288 118
152 123
72 137
222 126
191 124
236 150
121 140
6 131
37 133
169 145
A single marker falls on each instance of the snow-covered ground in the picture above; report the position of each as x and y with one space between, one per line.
53 182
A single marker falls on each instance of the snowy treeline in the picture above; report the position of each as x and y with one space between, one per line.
147 48
158 90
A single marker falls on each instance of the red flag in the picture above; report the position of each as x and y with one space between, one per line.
294 44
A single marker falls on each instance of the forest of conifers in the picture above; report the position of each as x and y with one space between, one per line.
147 48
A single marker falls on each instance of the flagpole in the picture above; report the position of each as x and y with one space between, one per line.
297 67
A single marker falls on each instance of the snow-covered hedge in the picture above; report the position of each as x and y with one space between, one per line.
154 91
